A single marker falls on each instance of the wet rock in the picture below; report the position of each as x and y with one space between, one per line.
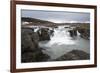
29 40
43 34
74 55
84 33
30 50
51 32
73 32
56 27
37 56
66 27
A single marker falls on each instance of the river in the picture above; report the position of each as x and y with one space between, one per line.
62 43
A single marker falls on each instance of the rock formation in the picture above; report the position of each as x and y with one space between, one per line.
30 50
43 34
74 55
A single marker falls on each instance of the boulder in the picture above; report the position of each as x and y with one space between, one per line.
56 27
29 40
43 34
74 55
30 50
51 32
37 56
73 32
84 33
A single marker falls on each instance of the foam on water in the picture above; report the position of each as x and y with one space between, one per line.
62 43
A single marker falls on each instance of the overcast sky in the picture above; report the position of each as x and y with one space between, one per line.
57 16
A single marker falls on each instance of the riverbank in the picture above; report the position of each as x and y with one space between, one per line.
74 55
47 44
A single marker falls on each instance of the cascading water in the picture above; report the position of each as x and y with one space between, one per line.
62 43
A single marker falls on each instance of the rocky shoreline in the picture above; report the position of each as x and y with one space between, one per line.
74 55
30 50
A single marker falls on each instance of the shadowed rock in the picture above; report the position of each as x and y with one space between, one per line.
30 50
43 34
74 55
73 32
85 33
51 32
29 40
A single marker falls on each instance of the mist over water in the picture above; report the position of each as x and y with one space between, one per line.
61 42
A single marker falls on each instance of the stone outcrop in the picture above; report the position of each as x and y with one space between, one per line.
51 32
84 33
43 34
73 32
30 50
74 55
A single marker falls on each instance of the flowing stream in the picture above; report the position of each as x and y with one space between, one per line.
62 43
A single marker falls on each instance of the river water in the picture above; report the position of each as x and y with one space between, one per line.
62 43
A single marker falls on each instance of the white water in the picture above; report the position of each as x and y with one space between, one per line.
62 43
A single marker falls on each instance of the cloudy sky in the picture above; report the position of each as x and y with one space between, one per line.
57 16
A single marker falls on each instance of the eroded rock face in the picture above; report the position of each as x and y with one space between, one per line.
74 55
30 50
43 34
37 56
51 32
73 32
85 33
29 40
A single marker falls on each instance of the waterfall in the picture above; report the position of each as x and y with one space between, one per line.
62 43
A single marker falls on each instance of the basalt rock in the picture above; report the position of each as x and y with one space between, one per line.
51 32
37 56
84 33
29 40
30 50
73 33
43 34
74 55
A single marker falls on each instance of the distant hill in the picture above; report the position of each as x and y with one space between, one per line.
34 20
37 22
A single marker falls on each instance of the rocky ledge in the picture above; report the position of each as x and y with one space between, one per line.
30 50
74 55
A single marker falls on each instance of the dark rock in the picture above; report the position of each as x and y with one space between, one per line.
30 50
73 32
29 40
51 32
85 33
66 27
74 55
37 56
56 27
43 34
